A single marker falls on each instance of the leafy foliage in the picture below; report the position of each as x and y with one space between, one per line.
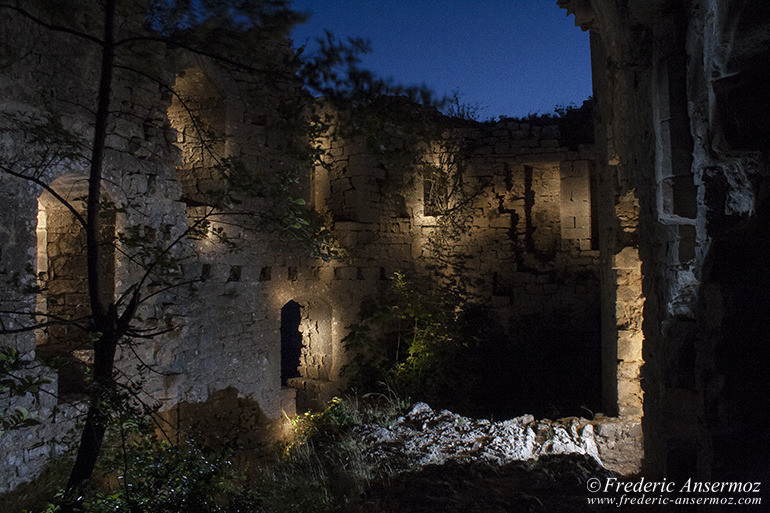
321 469
18 417
17 378
11 364
426 344
576 124
339 413
140 54
175 19
154 476
158 477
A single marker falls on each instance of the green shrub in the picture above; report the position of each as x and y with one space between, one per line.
428 346
153 476
157 477
320 470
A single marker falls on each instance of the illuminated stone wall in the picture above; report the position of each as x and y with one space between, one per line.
682 163
529 250
38 236
526 249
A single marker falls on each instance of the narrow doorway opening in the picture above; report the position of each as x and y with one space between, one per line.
63 300
291 341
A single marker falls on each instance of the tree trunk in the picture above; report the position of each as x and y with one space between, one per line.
96 420
105 319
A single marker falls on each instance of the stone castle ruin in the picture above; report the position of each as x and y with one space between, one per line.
612 258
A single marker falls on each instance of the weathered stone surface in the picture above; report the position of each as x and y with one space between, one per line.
425 436
526 250
428 437
682 152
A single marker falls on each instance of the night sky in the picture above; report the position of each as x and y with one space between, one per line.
509 57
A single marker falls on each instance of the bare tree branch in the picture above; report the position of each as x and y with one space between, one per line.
48 188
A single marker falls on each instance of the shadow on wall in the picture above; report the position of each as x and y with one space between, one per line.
738 388
35 495
734 300
548 367
224 420
459 354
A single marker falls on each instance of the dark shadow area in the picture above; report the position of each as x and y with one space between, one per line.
36 494
71 371
552 483
743 105
548 367
738 388
735 301
291 341
465 359
224 422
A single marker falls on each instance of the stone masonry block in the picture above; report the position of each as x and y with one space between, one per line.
630 345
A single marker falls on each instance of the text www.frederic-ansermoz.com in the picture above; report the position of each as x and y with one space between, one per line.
642 492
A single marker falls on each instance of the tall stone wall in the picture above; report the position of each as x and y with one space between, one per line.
682 165
524 245
527 248
39 242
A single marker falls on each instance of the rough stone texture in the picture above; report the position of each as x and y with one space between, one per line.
530 228
682 134
513 254
620 444
529 251
427 437
679 166
26 451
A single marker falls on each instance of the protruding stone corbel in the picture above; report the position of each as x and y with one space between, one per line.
583 11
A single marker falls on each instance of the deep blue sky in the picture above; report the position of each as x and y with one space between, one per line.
511 57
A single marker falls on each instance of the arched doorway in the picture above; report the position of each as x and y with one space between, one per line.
62 272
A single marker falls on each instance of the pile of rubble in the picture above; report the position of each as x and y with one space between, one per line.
428 437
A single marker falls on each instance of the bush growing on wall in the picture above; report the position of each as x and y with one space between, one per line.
428 345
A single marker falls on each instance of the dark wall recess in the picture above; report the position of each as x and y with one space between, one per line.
291 341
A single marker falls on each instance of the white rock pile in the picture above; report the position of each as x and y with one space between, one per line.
425 436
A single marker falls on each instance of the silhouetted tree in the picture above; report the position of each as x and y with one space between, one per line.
120 34
127 40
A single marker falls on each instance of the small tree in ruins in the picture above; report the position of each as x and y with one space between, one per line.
120 44
114 47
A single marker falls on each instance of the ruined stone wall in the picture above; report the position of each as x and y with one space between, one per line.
524 245
36 89
683 182
527 248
